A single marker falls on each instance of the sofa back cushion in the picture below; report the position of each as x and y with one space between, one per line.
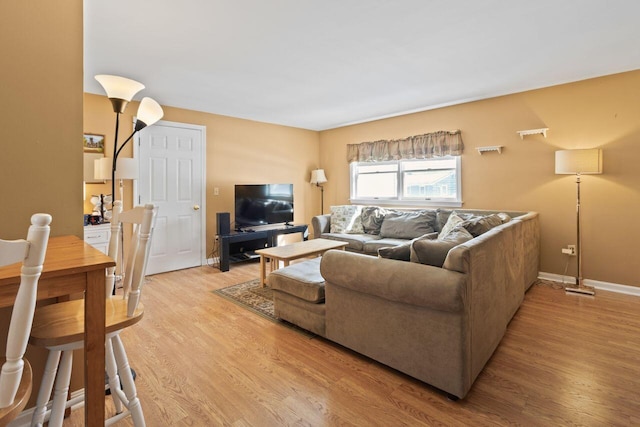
408 225
371 218
434 251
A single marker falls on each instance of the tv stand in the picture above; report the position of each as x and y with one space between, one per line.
240 245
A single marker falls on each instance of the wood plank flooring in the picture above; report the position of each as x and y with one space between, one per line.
203 361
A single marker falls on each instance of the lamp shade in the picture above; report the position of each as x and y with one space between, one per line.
318 176
127 168
149 113
119 87
570 162
102 168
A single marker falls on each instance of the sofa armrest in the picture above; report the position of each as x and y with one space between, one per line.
321 224
400 281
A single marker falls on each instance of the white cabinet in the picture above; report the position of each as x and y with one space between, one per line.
98 236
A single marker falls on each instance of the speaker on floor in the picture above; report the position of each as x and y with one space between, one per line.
223 223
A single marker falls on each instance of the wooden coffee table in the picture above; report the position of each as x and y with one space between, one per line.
293 251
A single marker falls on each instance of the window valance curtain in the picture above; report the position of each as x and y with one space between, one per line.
435 144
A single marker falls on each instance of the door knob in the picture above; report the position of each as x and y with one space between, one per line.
196 207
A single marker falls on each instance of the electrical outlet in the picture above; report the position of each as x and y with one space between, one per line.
572 248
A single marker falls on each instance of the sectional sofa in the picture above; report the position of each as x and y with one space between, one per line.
431 308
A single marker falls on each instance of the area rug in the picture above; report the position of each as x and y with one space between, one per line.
250 296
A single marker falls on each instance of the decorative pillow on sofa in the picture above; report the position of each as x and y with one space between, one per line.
504 217
402 252
478 225
434 252
372 217
407 225
346 219
453 221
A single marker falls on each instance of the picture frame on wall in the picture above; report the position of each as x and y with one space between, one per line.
93 147
93 143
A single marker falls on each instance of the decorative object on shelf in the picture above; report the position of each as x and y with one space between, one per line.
570 162
318 177
120 91
541 131
100 206
497 148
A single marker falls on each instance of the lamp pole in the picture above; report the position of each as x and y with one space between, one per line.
580 288
579 243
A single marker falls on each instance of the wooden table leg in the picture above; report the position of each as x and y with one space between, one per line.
94 351
263 273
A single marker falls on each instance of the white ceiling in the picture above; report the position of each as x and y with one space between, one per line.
327 63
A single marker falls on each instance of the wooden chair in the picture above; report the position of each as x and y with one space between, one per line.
16 376
60 328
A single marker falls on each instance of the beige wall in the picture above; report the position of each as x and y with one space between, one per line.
40 127
238 152
41 115
602 112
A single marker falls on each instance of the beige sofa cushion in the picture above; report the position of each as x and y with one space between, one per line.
302 280
355 242
407 225
371 247
371 218
401 252
434 251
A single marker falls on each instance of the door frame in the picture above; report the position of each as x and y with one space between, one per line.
203 196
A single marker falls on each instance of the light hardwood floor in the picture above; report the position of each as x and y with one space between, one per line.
204 361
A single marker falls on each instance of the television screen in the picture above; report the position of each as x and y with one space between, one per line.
262 204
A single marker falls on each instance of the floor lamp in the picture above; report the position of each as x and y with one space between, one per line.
578 162
120 91
318 177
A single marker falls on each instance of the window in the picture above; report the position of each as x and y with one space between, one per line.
432 181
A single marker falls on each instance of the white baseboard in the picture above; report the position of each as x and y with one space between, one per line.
605 286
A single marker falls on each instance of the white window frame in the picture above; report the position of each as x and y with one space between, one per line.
399 200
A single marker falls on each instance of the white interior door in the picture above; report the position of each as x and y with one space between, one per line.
172 178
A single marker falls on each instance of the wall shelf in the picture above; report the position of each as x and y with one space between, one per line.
497 148
541 131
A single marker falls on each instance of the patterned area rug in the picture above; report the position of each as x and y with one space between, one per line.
251 296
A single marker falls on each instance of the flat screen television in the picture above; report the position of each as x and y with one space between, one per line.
263 204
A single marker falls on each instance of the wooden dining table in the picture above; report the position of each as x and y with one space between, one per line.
72 266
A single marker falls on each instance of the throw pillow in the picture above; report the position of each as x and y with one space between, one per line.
407 225
504 217
372 217
478 225
443 216
346 219
434 252
453 221
402 252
